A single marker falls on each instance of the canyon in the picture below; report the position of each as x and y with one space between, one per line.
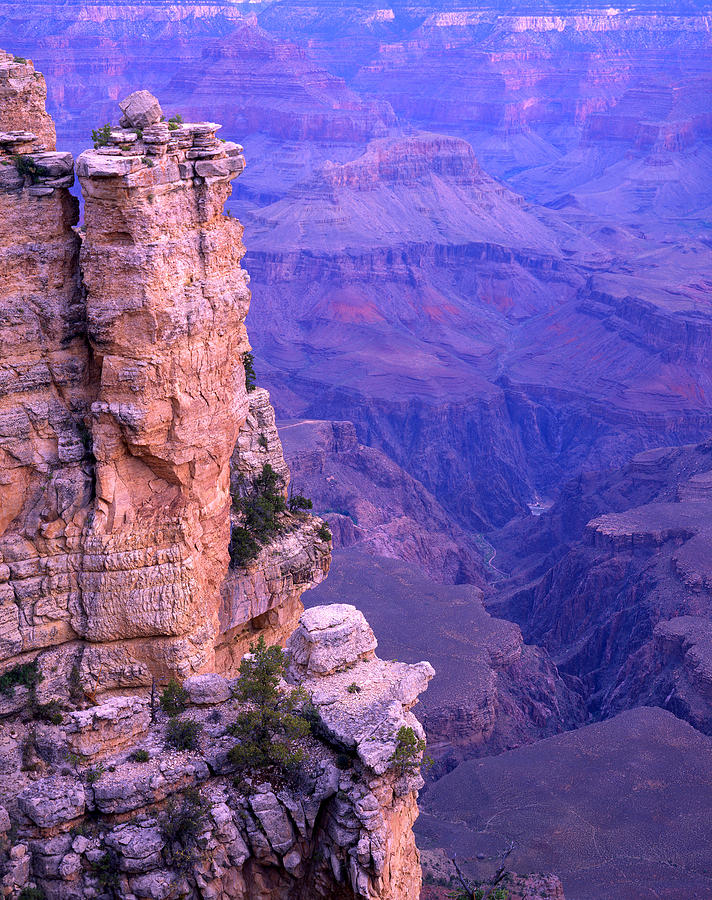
478 242
502 335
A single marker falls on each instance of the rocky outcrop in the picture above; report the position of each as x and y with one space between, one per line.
125 396
166 301
22 95
342 829
258 442
45 479
264 594
492 692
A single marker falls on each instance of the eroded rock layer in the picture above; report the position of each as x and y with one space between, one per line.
107 823
123 398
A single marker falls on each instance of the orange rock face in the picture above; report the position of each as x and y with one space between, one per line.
44 479
123 397
166 302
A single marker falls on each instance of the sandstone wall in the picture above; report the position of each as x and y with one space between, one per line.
124 395
45 478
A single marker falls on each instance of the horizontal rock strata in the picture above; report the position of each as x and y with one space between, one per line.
123 399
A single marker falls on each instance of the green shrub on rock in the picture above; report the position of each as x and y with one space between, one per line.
299 502
260 508
174 699
25 675
31 893
183 734
408 755
101 136
248 361
269 730
182 825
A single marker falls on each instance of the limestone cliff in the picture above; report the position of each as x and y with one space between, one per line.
125 395
130 439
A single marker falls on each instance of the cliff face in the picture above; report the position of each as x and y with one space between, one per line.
45 485
166 301
128 439
126 395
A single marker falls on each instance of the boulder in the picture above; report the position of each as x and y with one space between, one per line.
52 801
205 690
110 726
330 639
141 109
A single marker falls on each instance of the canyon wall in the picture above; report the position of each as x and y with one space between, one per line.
125 398
621 593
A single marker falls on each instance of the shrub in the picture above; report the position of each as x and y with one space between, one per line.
175 122
243 546
95 773
49 712
183 734
324 532
479 893
19 59
76 691
268 730
354 688
31 893
248 361
28 168
299 501
101 136
107 870
174 699
408 755
182 825
140 755
262 441
26 674
260 508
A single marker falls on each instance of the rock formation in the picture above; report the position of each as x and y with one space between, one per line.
128 435
100 825
493 692
124 399
624 600
375 506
